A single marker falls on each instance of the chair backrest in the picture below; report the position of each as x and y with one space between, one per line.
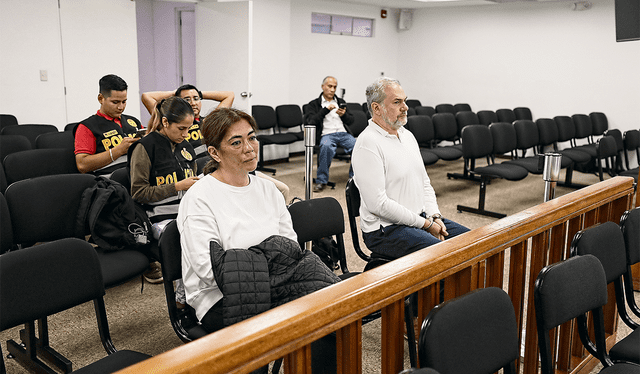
445 126
505 115
422 129
123 176
504 137
55 199
360 122
466 118
523 113
412 103
583 126
462 107
631 141
425 111
446 108
353 107
30 131
353 211
3 180
265 116
547 131
43 280
527 135
289 115
617 136
607 147
474 333
564 291
6 229
8 120
477 142
487 117
13 143
599 123
411 112
39 162
63 139
605 241
566 128
70 126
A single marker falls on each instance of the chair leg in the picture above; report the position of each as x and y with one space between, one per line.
480 210
27 355
261 163
567 179
411 335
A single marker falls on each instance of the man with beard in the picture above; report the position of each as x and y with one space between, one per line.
399 213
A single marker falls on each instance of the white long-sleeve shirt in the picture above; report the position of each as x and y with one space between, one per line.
393 182
234 217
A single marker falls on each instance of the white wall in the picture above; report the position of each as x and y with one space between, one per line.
34 37
354 61
545 56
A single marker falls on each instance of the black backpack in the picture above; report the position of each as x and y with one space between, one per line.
114 220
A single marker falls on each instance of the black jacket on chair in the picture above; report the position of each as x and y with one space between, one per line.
315 115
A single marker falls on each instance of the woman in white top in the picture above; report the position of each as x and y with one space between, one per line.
228 205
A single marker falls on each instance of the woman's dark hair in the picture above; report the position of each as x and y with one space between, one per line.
215 126
187 87
173 108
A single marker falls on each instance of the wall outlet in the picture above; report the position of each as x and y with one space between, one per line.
44 76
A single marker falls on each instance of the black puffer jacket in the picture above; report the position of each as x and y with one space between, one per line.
266 275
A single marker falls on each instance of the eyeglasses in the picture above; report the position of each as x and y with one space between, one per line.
195 99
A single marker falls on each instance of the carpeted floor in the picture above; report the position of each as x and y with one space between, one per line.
139 320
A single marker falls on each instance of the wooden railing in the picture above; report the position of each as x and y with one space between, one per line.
508 253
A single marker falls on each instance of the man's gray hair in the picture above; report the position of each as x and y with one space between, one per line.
327 77
376 91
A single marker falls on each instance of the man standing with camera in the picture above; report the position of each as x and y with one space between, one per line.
330 116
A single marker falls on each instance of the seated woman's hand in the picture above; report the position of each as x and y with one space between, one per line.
186 183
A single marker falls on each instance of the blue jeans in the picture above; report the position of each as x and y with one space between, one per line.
328 145
398 240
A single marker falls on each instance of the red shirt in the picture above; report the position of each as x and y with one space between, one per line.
85 141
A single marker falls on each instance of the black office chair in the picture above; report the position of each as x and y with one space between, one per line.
607 151
425 111
422 129
63 139
39 162
522 112
505 142
354 107
567 290
3 180
446 108
183 320
599 124
8 120
71 126
320 218
6 229
445 129
476 333
549 136
505 115
56 199
487 117
630 225
13 143
30 131
266 120
606 242
49 278
122 176
477 143
466 118
462 107
631 141
412 103
360 123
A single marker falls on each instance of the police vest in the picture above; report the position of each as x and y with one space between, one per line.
167 167
108 135
194 138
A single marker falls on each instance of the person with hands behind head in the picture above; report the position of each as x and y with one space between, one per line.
399 213
330 116
103 140
194 97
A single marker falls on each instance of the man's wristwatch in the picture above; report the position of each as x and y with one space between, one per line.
436 216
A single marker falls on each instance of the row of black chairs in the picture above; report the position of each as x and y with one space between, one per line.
478 332
44 210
